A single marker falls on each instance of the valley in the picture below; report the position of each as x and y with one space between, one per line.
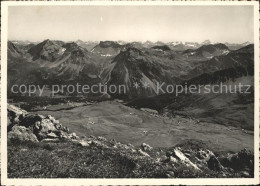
114 120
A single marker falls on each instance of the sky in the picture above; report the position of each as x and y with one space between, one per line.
232 24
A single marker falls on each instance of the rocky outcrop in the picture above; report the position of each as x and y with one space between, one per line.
35 127
243 160
22 133
176 156
13 115
47 50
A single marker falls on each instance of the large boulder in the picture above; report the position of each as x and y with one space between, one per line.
177 156
14 114
146 147
143 153
40 126
22 133
17 110
44 128
83 143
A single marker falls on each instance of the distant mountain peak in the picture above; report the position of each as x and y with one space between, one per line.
46 50
206 42
210 47
107 48
75 50
13 48
159 43
208 51
47 41
130 51
148 42
133 50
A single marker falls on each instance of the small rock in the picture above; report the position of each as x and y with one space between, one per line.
83 143
164 158
171 174
50 140
133 150
173 160
245 174
146 147
130 145
223 174
52 135
62 134
49 117
98 144
93 137
101 138
73 136
143 153
37 125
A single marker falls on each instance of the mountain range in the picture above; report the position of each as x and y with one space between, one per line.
110 62
174 45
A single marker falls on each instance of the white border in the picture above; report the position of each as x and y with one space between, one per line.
140 181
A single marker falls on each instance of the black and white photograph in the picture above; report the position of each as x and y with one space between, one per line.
135 90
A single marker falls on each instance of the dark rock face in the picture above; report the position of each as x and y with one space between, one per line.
76 52
206 52
214 164
107 48
246 49
14 49
239 63
106 44
29 120
212 48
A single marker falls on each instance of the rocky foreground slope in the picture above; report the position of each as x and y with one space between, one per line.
39 146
